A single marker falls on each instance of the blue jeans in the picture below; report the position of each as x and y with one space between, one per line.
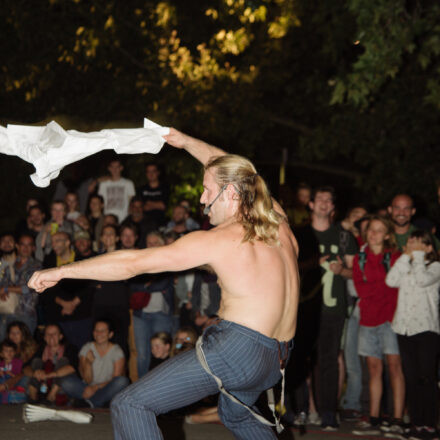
352 397
5 320
74 387
145 325
246 361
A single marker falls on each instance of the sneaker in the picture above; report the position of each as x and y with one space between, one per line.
366 428
395 430
314 419
329 428
300 419
350 415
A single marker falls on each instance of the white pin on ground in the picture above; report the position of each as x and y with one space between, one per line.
35 413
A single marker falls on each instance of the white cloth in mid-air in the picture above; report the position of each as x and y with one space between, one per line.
50 148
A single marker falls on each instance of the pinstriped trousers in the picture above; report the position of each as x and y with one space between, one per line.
246 361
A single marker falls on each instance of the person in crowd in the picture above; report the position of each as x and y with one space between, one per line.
83 245
68 303
155 195
142 221
377 339
72 206
10 368
337 248
178 221
96 216
111 298
19 333
160 348
417 275
128 234
401 211
299 374
33 224
185 339
84 223
155 314
110 219
116 191
299 215
191 224
8 251
14 282
53 360
354 214
101 370
57 223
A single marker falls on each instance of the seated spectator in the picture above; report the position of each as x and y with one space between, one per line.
110 300
57 223
33 224
14 282
185 339
8 251
96 217
18 332
128 234
180 222
160 348
191 224
155 314
416 322
144 224
155 195
54 360
83 245
110 219
376 337
72 205
84 224
69 302
10 368
101 369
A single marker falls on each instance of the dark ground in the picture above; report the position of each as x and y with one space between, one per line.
12 427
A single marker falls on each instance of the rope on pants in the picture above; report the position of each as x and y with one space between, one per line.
270 394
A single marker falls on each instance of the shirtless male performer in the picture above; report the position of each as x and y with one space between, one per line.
254 254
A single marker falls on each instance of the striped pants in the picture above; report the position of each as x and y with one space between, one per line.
246 361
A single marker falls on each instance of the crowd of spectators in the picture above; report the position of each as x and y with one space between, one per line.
368 322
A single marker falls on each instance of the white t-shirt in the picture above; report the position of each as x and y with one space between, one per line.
117 195
102 367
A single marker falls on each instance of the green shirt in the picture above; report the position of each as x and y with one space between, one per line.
403 238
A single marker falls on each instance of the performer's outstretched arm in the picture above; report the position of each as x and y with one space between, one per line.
192 250
197 148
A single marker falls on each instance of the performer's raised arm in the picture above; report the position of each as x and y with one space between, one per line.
190 251
202 151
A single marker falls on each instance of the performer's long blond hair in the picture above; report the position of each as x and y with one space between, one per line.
256 213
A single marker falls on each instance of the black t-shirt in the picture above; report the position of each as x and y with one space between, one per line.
159 194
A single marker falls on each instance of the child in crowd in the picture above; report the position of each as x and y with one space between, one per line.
416 322
377 306
160 348
185 339
10 367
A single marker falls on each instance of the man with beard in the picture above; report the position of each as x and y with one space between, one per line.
7 252
401 210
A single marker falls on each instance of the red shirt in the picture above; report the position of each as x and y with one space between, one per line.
377 301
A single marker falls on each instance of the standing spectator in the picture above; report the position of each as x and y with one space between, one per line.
337 248
376 337
155 195
101 368
116 191
54 360
96 217
111 297
401 211
178 221
57 223
8 252
144 223
72 205
14 281
299 215
69 302
156 315
354 214
34 222
416 322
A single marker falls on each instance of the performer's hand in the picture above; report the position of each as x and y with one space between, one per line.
176 138
43 279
